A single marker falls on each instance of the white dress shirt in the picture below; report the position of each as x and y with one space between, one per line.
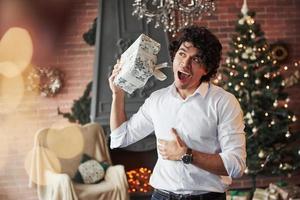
209 121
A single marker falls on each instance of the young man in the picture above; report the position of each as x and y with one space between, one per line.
199 126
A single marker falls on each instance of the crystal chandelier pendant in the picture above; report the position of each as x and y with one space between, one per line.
172 15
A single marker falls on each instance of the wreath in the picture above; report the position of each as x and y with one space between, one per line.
47 81
279 52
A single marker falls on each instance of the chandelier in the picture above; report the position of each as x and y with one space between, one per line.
172 15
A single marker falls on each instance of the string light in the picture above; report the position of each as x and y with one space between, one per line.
267 75
138 180
288 134
236 88
294 118
266 114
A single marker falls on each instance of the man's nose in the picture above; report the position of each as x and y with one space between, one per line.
186 62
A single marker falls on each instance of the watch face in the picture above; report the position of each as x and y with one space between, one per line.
187 159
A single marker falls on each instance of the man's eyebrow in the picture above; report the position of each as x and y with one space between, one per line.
182 48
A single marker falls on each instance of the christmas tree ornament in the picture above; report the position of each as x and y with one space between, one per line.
248 50
288 134
275 104
261 154
241 21
253 57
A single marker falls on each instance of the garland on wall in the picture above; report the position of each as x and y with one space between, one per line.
80 111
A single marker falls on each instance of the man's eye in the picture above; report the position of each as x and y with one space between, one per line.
197 60
181 53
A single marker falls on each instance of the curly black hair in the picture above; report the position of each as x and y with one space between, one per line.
210 48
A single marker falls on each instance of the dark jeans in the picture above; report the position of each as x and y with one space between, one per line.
163 195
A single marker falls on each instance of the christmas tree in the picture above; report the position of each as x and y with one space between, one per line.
255 78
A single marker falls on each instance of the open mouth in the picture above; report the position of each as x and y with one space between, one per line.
183 75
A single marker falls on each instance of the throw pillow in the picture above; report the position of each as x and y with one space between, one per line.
90 170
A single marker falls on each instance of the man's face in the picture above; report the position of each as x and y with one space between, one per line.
187 68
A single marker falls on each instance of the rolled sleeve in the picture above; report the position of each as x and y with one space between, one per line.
232 137
136 128
117 136
234 157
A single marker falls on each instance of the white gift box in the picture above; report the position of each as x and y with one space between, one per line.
139 64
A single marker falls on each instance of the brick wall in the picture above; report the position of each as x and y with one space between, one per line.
63 47
57 43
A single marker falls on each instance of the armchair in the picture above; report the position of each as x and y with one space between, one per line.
55 158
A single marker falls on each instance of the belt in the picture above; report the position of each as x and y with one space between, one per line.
174 196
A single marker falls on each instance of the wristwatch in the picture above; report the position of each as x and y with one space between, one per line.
187 158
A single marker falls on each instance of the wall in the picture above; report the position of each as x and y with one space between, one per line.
58 43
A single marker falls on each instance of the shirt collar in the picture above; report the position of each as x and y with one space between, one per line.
202 89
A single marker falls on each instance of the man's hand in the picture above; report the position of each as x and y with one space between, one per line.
173 149
115 89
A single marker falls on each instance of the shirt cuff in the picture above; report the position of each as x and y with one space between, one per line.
117 136
233 164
